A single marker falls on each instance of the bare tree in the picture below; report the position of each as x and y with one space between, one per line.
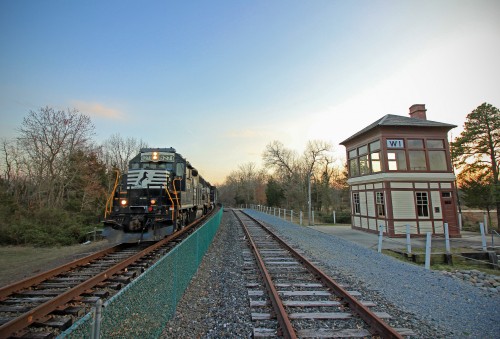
118 151
280 159
316 153
294 172
15 170
244 186
48 138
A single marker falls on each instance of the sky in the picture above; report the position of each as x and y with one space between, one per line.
220 80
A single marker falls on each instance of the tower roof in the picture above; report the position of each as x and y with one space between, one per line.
398 120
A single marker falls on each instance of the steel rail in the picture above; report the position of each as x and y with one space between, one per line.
285 324
39 312
376 324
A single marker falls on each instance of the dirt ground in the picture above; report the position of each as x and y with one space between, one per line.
19 262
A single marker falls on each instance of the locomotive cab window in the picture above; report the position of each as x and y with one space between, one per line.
179 171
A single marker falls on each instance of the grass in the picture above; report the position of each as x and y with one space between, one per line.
332 225
464 267
444 267
420 250
19 262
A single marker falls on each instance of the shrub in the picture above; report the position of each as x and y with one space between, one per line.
341 217
45 227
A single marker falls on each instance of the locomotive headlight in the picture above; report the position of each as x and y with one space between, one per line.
155 156
153 201
123 202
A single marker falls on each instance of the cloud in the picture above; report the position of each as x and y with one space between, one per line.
96 109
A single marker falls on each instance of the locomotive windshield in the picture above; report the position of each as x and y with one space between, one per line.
151 160
151 165
157 156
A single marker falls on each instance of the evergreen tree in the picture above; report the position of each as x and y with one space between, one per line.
477 149
274 193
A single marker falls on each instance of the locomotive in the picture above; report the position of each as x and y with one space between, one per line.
161 193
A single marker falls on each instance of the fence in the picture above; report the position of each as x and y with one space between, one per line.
301 218
410 230
453 248
143 307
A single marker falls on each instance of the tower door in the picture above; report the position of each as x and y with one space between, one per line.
449 211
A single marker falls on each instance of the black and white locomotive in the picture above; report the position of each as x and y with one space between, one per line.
161 193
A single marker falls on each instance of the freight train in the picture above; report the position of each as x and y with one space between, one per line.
161 193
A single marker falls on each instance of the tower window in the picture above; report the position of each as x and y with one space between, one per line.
422 204
380 204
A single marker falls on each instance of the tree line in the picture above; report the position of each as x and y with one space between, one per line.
55 177
286 177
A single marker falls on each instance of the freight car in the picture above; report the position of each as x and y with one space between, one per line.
161 193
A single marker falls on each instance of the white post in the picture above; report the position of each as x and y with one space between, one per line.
483 236
447 238
274 211
334 218
313 218
428 251
380 237
485 223
291 216
460 221
300 218
408 239
279 212
284 214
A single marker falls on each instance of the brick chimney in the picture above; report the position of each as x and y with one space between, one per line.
417 111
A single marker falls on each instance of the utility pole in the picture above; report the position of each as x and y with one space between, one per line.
309 202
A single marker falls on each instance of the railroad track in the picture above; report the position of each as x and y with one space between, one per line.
291 297
44 305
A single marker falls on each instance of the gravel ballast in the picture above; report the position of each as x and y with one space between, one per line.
433 305
215 304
